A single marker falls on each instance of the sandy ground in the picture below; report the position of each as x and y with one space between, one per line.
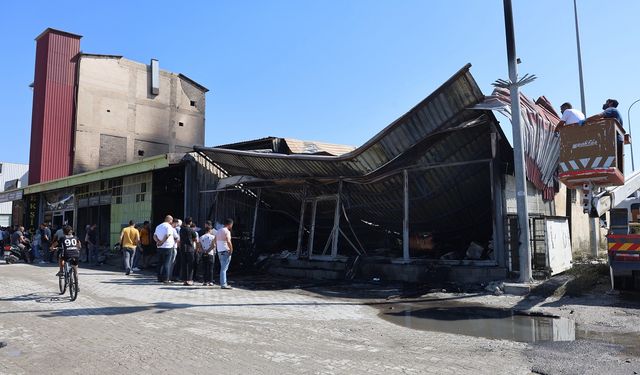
134 325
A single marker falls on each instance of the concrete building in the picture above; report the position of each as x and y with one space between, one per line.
12 176
120 118
93 111
146 189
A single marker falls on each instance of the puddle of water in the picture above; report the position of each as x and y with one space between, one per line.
481 321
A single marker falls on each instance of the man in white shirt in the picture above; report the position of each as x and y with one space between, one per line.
165 237
570 116
208 245
224 247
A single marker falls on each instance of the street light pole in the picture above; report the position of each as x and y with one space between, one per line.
518 152
594 226
633 165
582 101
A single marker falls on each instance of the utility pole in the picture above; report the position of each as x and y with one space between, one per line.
518 151
583 106
633 165
594 223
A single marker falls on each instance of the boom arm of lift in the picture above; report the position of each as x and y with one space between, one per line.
611 197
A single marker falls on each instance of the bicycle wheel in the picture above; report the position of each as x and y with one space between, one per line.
73 284
62 283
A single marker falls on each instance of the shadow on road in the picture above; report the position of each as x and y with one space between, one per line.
162 307
45 297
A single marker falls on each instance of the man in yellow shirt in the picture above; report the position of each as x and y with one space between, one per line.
129 240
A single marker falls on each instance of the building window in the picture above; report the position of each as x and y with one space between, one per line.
193 103
116 189
143 187
108 110
140 152
140 197
181 124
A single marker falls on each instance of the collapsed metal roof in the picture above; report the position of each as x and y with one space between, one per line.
443 112
446 146
541 144
289 146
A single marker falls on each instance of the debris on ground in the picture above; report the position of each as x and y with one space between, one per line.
495 287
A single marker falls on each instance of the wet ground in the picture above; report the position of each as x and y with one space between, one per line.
461 318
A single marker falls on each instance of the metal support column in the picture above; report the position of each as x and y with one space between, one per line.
498 205
312 234
336 222
518 152
303 203
186 190
405 221
255 217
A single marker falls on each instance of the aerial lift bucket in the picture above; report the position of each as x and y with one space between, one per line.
592 154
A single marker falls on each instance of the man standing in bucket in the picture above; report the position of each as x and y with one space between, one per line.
570 116
609 110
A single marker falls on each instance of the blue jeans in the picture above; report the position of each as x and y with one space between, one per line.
128 255
225 260
93 253
173 254
164 264
136 258
37 253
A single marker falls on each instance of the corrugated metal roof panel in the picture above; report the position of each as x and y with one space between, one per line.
313 147
144 165
440 129
53 106
541 146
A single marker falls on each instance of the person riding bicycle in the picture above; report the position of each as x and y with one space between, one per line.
69 249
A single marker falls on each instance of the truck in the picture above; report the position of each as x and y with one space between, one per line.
592 160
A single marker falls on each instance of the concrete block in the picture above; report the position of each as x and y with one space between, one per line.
517 289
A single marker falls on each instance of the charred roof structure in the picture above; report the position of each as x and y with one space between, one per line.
427 186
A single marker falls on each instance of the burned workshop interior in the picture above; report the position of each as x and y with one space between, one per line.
428 186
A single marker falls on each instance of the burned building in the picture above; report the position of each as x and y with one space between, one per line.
93 111
429 190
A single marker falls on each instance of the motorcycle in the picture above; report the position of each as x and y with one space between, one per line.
13 254
8 256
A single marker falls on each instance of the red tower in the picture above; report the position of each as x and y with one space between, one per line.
51 154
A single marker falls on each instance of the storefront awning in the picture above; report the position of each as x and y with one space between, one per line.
10 196
144 165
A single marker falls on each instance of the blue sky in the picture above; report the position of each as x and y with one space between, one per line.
335 71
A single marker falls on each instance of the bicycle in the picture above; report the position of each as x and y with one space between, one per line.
69 278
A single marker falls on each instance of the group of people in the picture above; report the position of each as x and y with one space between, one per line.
36 244
572 116
16 236
180 248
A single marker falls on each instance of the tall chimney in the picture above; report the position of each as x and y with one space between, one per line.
52 115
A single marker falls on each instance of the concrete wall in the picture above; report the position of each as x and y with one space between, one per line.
580 232
535 203
115 103
579 221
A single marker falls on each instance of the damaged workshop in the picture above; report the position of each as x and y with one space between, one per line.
352 187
